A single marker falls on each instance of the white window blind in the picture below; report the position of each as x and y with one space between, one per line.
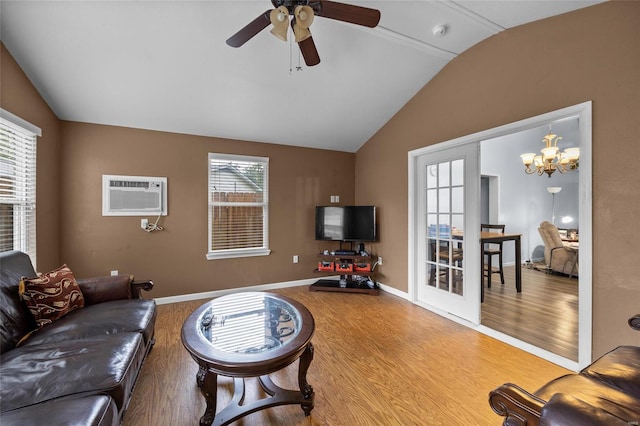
18 184
238 206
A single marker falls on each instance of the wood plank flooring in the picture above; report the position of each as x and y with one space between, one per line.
379 360
545 314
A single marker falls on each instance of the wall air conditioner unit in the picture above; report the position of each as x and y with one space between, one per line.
134 195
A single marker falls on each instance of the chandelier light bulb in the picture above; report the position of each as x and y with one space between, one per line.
527 158
573 154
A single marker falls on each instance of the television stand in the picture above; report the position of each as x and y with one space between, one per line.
350 267
352 287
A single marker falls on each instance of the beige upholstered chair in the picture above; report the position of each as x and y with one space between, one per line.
559 256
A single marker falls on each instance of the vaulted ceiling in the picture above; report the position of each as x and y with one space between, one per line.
164 65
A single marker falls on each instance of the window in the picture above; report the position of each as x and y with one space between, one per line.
238 206
17 184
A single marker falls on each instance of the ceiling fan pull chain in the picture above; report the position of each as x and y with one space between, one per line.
290 56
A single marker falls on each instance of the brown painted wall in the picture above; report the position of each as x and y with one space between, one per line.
300 179
18 96
590 54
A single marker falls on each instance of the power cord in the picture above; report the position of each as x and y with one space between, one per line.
154 226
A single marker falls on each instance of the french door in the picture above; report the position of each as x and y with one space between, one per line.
446 230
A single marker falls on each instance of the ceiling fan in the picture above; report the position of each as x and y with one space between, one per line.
300 13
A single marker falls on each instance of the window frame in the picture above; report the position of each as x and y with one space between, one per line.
238 252
21 143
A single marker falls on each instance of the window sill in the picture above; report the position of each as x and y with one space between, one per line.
229 254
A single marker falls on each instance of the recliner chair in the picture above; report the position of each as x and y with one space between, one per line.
607 392
558 256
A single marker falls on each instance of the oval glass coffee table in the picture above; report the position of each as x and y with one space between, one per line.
249 334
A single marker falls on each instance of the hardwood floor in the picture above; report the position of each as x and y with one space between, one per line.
379 360
545 314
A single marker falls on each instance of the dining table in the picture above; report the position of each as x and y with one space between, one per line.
497 237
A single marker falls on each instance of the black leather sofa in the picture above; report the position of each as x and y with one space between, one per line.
607 392
82 368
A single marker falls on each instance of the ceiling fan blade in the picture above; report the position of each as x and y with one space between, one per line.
348 13
309 52
250 30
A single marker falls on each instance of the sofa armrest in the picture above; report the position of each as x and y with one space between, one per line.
115 287
138 286
518 406
104 289
634 322
564 410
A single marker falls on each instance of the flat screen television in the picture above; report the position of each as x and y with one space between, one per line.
346 223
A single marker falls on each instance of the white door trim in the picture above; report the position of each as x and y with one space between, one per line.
585 292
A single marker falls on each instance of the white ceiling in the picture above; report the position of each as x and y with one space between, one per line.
164 65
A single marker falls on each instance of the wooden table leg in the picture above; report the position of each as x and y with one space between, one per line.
481 275
518 266
208 384
305 387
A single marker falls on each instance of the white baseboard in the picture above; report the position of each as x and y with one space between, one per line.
218 293
394 291
261 287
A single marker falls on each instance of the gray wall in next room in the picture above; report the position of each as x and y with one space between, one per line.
523 200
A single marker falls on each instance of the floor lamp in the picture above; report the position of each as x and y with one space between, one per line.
553 190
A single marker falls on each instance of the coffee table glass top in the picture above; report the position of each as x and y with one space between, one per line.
248 323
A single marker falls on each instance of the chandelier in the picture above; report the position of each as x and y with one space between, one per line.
551 159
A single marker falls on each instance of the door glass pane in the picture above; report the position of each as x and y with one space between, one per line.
457 200
457 172
443 174
445 211
432 176
443 198
457 222
444 228
432 200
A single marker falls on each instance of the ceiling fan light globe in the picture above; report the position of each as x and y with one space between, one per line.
280 20
304 16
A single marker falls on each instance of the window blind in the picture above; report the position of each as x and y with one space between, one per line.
18 185
238 206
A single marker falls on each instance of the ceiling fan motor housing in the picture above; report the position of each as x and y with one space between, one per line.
291 4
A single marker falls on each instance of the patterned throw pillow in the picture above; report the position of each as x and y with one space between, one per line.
52 295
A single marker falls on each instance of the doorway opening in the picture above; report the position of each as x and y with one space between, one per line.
547 307
496 183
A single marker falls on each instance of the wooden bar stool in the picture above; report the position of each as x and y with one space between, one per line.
492 249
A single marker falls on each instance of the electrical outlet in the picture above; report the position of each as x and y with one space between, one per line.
295 258
379 260
114 272
144 223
